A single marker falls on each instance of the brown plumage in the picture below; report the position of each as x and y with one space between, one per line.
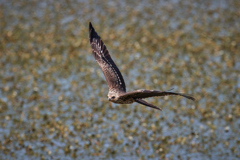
117 89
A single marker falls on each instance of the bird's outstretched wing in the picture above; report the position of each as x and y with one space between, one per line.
140 94
111 72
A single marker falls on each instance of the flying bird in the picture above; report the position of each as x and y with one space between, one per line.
117 89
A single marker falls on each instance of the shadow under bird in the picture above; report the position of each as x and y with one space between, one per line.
117 89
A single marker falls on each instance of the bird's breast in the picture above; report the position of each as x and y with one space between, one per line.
124 101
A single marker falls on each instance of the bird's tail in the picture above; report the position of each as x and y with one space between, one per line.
146 104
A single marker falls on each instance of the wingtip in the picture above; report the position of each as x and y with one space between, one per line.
91 32
190 97
185 95
90 26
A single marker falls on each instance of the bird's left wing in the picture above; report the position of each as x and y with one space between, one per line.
111 72
142 93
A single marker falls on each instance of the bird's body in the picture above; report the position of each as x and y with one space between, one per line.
117 89
120 100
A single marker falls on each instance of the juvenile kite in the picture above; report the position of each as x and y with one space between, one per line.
117 89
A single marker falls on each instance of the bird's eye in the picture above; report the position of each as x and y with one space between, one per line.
113 97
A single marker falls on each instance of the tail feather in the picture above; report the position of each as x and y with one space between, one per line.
146 104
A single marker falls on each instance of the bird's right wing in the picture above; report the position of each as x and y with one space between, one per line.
111 72
140 94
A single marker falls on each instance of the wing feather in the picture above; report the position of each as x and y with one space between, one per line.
110 70
151 93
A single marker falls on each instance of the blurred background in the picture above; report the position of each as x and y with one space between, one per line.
53 95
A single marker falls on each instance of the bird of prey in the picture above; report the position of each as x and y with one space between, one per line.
117 89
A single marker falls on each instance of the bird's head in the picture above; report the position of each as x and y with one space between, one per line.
112 97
